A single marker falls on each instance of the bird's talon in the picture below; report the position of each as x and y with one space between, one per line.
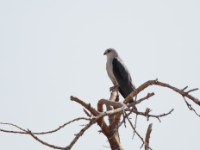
115 87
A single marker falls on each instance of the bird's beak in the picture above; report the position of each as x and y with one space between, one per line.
105 53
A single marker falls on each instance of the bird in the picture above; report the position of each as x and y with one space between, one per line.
118 73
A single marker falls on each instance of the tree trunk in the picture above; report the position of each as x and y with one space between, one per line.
114 141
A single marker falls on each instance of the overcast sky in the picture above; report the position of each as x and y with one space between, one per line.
52 49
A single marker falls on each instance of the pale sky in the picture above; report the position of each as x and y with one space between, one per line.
52 49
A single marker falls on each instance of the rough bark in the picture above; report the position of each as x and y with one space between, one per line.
113 135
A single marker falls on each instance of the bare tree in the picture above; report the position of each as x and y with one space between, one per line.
118 113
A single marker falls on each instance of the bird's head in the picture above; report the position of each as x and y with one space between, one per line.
111 53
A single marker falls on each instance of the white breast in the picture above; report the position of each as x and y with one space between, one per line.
109 68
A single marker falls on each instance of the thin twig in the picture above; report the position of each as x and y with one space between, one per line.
151 115
147 138
184 88
44 143
23 131
135 124
145 98
86 112
190 107
192 90
141 100
80 134
135 131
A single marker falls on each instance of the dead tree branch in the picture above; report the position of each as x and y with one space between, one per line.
23 131
80 134
114 111
44 143
147 138
158 83
190 107
147 115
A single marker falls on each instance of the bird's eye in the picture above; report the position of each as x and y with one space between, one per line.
109 51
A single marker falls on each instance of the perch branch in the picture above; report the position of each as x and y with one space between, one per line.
97 116
158 83
110 104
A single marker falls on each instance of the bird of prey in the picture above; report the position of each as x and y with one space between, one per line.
118 73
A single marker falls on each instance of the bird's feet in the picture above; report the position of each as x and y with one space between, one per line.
115 87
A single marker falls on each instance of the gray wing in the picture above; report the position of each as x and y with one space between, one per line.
123 77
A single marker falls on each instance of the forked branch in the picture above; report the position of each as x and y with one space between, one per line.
114 112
